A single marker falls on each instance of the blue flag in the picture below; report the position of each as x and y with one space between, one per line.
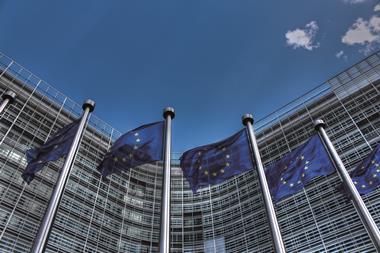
141 145
212 164
366 176
56 147
290 174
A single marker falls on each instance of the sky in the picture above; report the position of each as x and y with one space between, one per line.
212 60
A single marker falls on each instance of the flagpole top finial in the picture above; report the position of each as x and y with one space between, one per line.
247 118
169 111
319 123
88 103
10 95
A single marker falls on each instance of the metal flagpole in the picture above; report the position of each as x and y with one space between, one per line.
44 229
165 202
279 247
364 214
8 98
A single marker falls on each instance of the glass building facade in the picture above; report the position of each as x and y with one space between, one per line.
122 213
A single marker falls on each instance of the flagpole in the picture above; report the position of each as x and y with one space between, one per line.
8 98
361 208
165 203
279 247
45 227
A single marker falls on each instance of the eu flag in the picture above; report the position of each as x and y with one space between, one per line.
212 164
56 147
141 145
290 174
366 176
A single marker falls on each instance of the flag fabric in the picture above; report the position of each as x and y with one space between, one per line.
293 171
138 146
366 176
54 148
212 164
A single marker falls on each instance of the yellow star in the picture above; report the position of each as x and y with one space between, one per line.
227 164
302 157
135 147
124 159
355 182
115 159
370 182
222 171
363 186
306 167
284 182
206 172
291 184
374 175
303 175
137 140
307 162
214 174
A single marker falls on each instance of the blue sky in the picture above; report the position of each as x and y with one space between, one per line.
212 60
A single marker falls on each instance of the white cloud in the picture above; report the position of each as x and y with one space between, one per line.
364 33
360 32
354 1
303 38
374 23
377 8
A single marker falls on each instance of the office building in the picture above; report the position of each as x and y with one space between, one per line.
122 213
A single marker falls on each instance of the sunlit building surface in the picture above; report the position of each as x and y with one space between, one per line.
121 213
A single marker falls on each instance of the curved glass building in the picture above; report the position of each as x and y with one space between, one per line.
122 213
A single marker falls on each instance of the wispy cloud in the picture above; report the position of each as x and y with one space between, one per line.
354 1
303 38
377 7
365 33
341 54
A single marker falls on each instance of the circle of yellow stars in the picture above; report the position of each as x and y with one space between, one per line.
305 168
374 175
135 147
214 174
